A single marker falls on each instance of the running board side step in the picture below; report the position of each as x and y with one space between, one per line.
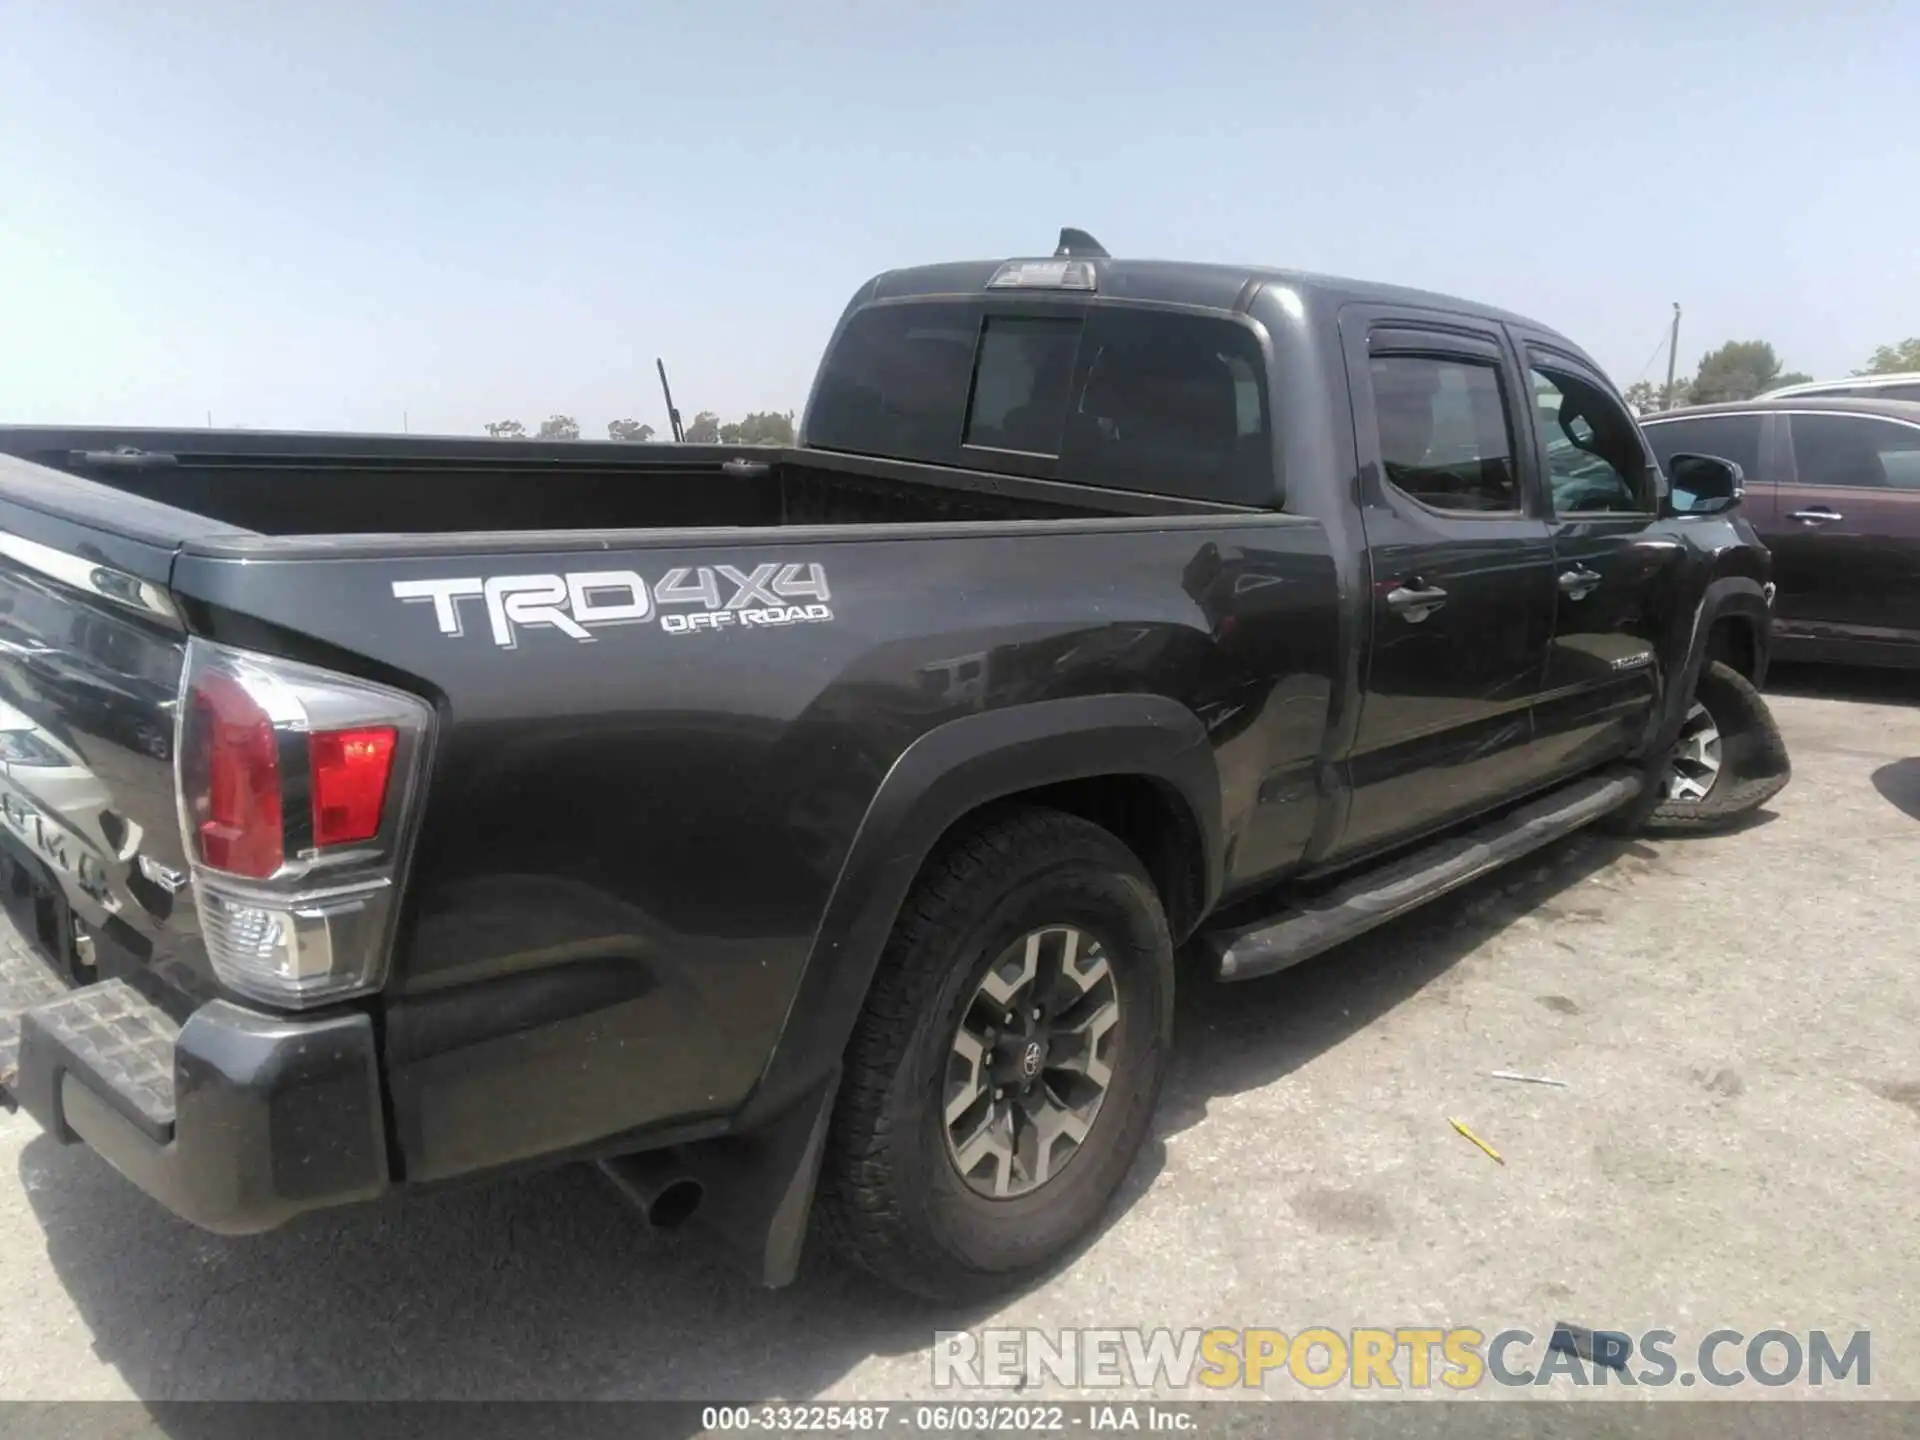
1377 896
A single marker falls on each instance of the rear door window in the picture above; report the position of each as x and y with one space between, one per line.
1445 438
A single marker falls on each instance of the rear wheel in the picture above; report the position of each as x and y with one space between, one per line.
1004 1070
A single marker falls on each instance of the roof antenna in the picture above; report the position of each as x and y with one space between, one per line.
1079 242
673 415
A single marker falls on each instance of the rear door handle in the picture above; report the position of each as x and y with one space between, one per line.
1817 516
1578 584
1415 605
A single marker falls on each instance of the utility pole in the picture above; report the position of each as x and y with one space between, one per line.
1673 354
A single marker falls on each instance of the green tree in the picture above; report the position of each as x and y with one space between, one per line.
628 430
703 429
767 427
762 427
1894 359
1739 370
1647 398
507 430
1642 396
559 427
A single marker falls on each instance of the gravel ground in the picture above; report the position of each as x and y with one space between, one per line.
1737 1145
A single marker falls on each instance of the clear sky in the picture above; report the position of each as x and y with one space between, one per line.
320 214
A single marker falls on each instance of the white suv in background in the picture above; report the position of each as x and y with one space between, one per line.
1904 385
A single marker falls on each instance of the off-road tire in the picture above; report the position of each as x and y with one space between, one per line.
1754 765
890 1199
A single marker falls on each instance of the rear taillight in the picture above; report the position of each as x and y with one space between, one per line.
296 798
350 773
238 820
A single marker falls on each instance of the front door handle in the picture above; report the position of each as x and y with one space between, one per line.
1416 604
1817 516
1578 584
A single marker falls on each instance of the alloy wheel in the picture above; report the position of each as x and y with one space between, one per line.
1693 767
1031 1062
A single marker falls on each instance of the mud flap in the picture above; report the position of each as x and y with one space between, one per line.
760 1185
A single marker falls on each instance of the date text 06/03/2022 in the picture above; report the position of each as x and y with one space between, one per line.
942 1418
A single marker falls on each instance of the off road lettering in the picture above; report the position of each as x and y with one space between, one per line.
685 600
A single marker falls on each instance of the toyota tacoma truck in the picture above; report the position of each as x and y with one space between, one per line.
806 835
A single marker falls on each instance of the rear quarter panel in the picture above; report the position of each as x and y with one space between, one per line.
630 840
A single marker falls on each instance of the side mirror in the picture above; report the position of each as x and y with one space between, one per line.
1704 484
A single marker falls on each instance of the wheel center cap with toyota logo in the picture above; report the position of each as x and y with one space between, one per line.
1031 1058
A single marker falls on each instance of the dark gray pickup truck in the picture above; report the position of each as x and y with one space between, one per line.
806 835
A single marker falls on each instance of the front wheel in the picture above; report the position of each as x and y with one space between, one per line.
1730 758
1004 1070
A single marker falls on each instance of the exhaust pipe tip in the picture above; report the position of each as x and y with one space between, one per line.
674 1205
658 1186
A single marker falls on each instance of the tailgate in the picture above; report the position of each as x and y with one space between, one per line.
92 873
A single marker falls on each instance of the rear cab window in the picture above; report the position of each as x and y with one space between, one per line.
1022 377
1115 395
896 381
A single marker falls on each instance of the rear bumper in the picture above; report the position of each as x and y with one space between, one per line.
237 1121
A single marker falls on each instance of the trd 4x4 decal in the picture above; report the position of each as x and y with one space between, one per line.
684 600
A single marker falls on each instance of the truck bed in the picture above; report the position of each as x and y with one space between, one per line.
317 484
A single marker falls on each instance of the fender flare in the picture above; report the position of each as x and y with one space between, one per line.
945 774
1738 595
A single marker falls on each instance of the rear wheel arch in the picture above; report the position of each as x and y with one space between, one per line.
1147 815
1139 766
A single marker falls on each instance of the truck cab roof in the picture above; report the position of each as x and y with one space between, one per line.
1201 284
1021 366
